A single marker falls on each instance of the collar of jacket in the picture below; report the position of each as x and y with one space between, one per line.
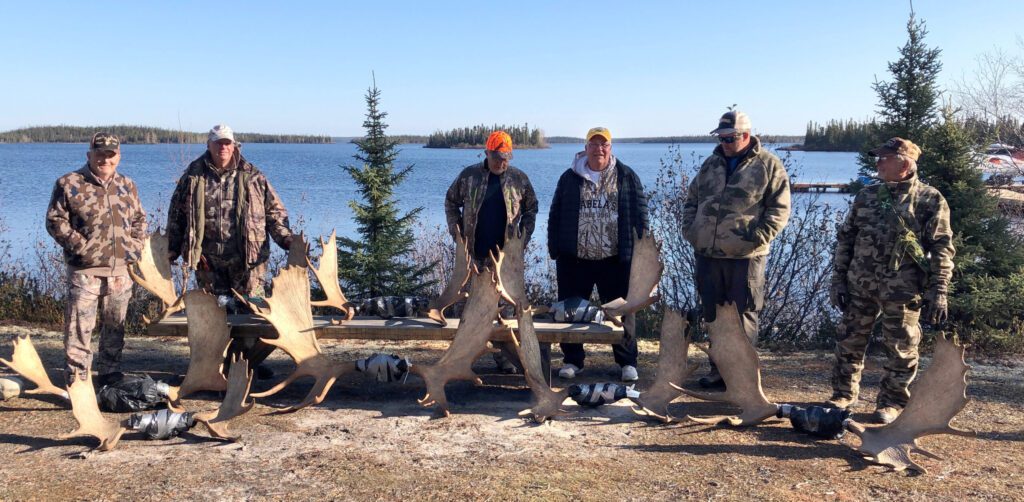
91 176
904 186
579 164
239 162
755 148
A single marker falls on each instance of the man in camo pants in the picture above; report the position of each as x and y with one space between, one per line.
96 217
894 260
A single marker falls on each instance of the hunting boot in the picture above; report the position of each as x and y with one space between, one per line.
841 401
886 414
713 380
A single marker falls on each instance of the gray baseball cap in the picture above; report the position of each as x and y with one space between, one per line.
221 131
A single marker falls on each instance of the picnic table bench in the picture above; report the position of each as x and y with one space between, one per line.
405 328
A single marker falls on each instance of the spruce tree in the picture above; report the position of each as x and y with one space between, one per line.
907 104
378 264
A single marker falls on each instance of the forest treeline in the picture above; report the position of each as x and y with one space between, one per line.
476 137
697 138
852 136
140 134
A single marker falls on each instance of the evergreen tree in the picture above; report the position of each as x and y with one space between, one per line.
379 264
907 104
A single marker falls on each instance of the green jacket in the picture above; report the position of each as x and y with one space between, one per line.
870 255
737 217
466 195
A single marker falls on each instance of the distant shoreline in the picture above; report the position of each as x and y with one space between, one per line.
134 134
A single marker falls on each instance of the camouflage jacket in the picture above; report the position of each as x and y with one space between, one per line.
871 235
251 209
737 217
100 227
466 195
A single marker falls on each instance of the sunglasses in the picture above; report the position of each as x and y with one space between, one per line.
730 139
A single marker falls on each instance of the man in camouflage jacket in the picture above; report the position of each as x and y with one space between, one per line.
221 212
96 217
894 255
480 204
735 206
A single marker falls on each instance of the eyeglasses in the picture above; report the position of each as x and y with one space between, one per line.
496 155
883 158
730 139
599 146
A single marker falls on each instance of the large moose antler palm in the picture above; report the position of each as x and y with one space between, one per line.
547 402
234 404
327 275
153 272
208 338
469 344
938 397
87 412
738 363
644 274
672 367
453 290
288 310
511 264
25 361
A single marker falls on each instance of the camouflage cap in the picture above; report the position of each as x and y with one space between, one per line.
732 121
898 146
105 141
221 131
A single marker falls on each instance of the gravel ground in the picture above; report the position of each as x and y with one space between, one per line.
373 441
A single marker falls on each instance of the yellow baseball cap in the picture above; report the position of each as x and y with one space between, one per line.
599 131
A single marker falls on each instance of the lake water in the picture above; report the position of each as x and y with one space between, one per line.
316 190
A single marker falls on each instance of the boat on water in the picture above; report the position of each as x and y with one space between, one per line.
1001 159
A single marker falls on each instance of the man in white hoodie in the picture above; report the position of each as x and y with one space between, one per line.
598 207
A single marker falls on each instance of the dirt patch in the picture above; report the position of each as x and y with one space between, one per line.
373 441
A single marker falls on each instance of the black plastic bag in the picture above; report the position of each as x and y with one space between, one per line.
131 393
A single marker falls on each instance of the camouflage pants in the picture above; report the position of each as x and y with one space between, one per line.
221 274
901 335
83 307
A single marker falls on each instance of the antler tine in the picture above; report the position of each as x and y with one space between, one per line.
737 361
87 412
547 402
234 404
938 397
672 367
25 361
327 275
644 273
453 290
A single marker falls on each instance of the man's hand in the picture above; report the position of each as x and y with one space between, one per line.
839 296
936 308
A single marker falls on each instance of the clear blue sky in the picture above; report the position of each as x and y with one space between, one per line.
639 68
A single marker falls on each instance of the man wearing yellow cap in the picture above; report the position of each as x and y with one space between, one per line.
598 208
484 199
894 260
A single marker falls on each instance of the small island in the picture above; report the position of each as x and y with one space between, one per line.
476 137
130 134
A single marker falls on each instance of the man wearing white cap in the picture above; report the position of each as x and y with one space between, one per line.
221 213
735 206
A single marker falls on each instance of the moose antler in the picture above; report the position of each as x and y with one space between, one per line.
738 363
470 341
453 291
938 397
672 367
87 413
239 379
25 361
153 272
547 402
511 265
327 275
644 274
208 338
288 310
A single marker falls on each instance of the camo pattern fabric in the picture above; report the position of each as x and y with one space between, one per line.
901 335
597 236
99 225
220 233
465 196
737 216
220 274
263 213
85 294
864 263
